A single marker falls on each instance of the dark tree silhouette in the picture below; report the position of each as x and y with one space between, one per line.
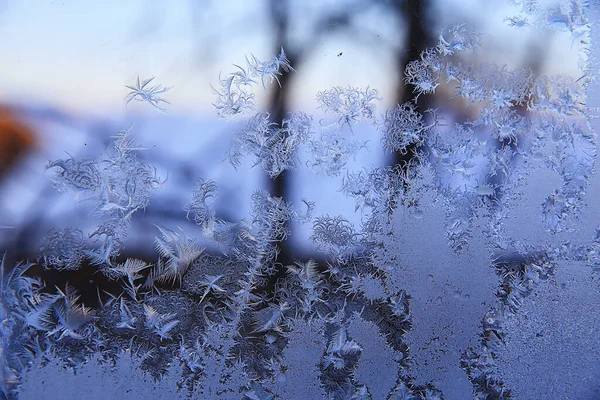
419 38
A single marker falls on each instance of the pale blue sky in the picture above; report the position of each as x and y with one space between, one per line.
78 55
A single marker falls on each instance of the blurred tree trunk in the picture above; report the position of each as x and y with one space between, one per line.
279 101
415 13
412 12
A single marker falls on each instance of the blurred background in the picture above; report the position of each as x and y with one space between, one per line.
65 65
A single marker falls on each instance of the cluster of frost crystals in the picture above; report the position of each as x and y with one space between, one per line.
518 116
505 88
273 147
376 190
359 186
509 125
129 181
562 132
574 161
203 213
455 150
234 94
568 15
560 94
270 215
335 236
32 318
176 254
403 126
456 38
159 323
115 187
75 175
222 346
492 87
63 249
349 105
268 71
331 151
422 73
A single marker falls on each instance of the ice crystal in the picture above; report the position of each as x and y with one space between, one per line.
275 148
204 213
350 105
144 92
403 126
63 249
234 94
70 174
176 254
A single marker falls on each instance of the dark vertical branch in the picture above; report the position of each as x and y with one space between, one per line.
418 39
279 102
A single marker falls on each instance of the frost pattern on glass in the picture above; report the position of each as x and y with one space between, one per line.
234 94
370 318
